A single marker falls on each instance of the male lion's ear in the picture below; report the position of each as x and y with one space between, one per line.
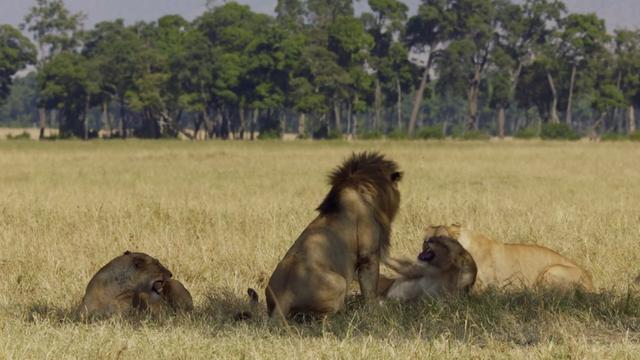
127 252
397 176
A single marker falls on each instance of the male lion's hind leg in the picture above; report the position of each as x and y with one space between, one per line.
565 278
322 294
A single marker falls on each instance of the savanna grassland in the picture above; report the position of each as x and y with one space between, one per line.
221 215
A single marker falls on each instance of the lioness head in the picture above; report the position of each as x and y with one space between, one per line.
449 257
142 273
452 231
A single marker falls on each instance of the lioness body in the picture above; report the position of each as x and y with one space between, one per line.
133 281
515 265
443 268
350 235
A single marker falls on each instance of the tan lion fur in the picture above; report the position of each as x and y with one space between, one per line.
450 271
132 281
515 265
348 237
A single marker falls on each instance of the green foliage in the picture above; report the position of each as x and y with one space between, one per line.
430 133
474 135
611 136
558 132
397 135
470 57
635 136
16 52
54 27
20 109
527 133
22 136
371 135
269 135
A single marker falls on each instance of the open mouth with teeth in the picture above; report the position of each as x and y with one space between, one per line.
426 255
157 286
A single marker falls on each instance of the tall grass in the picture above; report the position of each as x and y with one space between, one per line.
221 215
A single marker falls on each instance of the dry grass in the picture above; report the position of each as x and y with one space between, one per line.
221 215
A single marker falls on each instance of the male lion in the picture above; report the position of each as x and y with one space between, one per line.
349 236
133 281
444 267
515 265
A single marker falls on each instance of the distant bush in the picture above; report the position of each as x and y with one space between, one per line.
558 132
527 133
635 136
22 136
612 136
397 135
371 135
476 135
430 133
334 135
269 135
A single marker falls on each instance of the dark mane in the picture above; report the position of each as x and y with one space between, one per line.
374 173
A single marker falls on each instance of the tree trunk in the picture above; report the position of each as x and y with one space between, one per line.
377 106
472 101
86 119
596 125
123 121
301 122
241 111
254 120
43 122
417 102
399 104
631 117
349 119
336 116
501 122
209 126
568 119
282 123
553 111
197 123
107 117
354 121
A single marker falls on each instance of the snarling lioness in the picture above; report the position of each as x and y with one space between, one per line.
133 281
515 265
349 237
443 267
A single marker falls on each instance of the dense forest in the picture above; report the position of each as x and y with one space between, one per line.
462 68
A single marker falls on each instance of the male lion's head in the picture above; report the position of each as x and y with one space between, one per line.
372 174
449 257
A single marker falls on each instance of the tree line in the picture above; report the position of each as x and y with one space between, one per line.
468 68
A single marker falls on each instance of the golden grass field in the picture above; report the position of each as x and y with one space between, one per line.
221 215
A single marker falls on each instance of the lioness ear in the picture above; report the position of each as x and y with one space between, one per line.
454 230
396 176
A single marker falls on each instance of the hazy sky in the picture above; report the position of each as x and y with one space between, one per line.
617 12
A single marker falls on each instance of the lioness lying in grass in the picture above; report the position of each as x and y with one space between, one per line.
443 267
130 282
515 265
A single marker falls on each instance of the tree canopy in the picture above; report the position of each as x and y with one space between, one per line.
318 68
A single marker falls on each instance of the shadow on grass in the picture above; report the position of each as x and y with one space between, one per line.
522 318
